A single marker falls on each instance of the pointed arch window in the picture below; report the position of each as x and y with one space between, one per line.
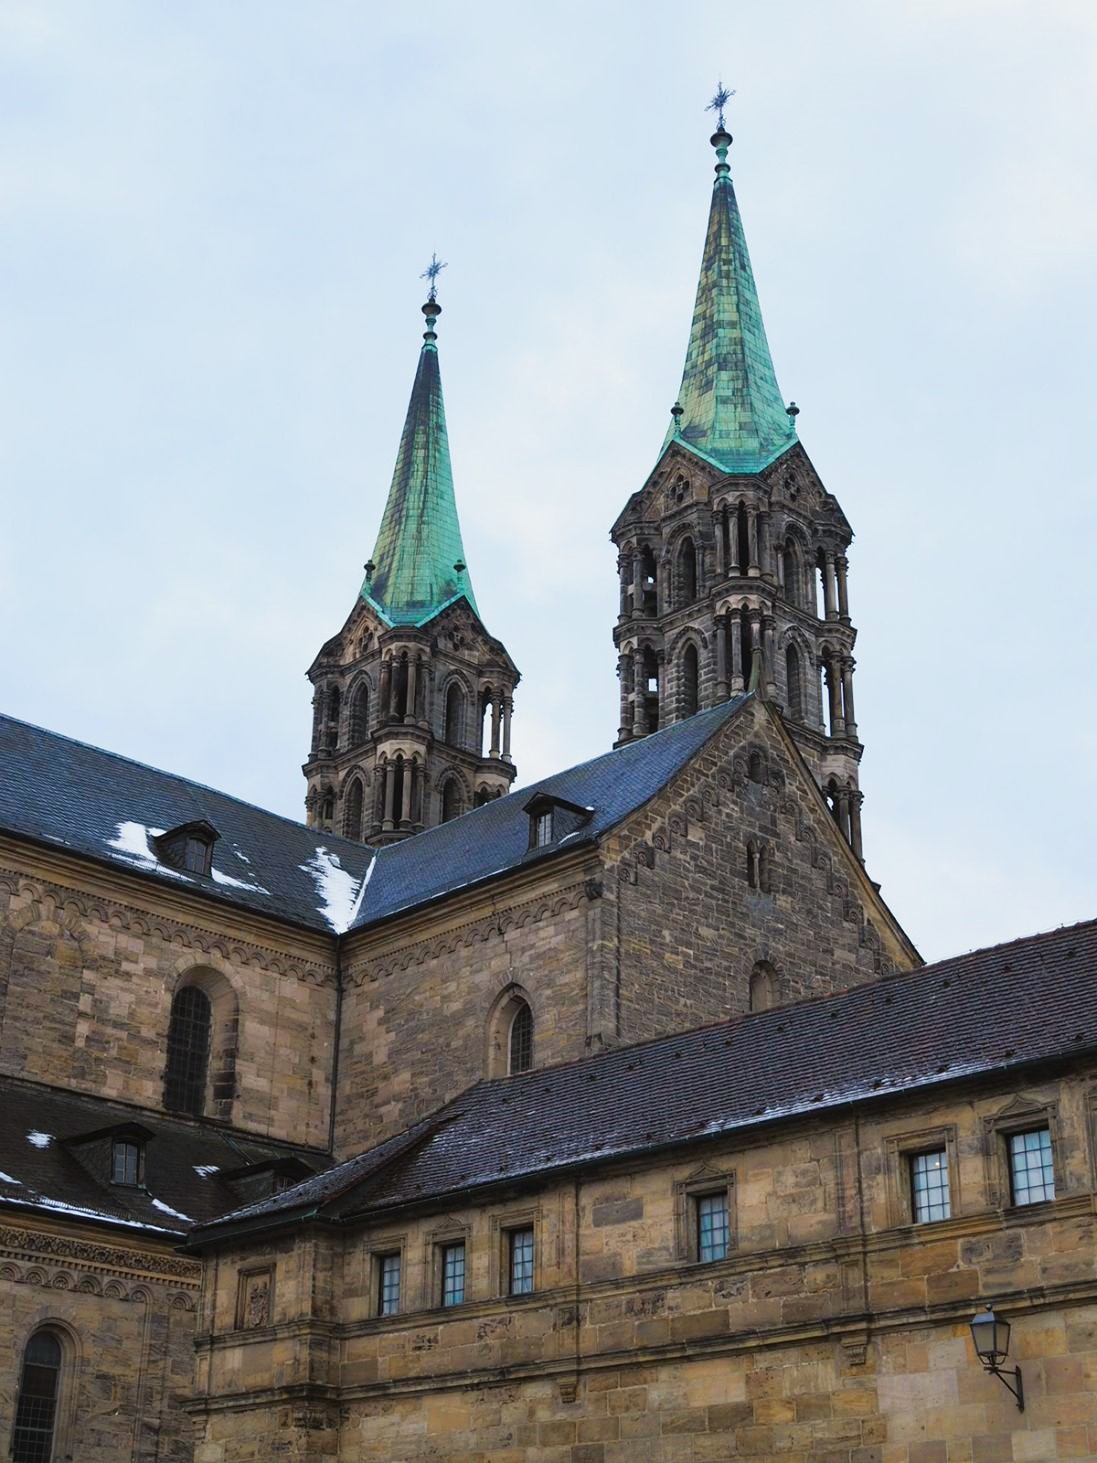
335 704
188 1052
687 572
32 1437
763 986
359 716
453 730
327 807
352 813
690 680
794 683
521 1040
452 801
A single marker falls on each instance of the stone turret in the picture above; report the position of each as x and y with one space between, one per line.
733 555
413 698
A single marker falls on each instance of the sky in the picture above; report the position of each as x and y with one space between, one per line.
214 219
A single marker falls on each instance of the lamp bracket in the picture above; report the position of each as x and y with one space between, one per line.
1018 1391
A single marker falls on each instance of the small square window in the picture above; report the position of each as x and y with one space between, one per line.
1031 1169
520 1242
388 1284
453 1274
126 1162
929 1191
713 1229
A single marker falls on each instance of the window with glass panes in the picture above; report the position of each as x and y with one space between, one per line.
36 1410
188 1052
1031 1170
929 1186
453 1274
521 1261
125 1162
712 1226
388 1299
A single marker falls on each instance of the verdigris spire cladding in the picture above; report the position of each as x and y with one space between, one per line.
413 698
418 562
731 409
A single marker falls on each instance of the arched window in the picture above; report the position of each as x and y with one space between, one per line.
451 799
32 1437
763 986
757 766
794 683
453 730
327 808
520 1046
400 687
790 571
742 538
649 594
752 864
188 1052
359 716
746 645
352 810
334 707
689 680
687 572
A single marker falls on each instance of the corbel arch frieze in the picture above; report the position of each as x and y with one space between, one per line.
190 938
472 932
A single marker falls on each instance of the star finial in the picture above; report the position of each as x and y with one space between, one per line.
432 271
719 102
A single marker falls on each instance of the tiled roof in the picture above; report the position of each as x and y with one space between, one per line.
104 806
983 1013
183 1161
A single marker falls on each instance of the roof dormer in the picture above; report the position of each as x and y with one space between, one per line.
188 847
553 819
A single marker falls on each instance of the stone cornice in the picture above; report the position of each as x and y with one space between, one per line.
108 899
25 1250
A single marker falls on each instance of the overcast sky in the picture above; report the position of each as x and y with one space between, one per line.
214 220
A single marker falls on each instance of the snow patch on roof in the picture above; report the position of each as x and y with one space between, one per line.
338 889
133 842
6 1178
39 1140
249 884
204 1170
57 1204
362 892
167 1209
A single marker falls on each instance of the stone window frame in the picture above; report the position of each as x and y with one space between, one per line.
436 1242
379 1246
65 1431
1020 1117
687 1191
243 1275
502 1227
901 1149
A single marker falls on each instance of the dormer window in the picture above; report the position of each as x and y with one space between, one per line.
188 847
553 819
127 1162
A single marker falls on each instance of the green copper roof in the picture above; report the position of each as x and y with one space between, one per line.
420 538
732 412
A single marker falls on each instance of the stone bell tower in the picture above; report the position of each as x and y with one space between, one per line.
732 556
412 698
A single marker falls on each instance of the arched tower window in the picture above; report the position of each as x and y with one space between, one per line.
794 683
400 687
32 1436
763 986
742 538
334 707
689 681
352 812
746 645
453 730
188 1052
648 582
651 689
521 1040
687 572
327 808
752 864
452 801
359 716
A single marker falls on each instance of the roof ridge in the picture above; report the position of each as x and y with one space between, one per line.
177 777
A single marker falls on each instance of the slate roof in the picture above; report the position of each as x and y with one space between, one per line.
81 798
732 412
103 806
987 1012
38 1171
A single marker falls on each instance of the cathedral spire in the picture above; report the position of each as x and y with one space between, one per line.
731 410
418 563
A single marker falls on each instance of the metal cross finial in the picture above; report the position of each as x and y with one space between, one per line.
719 102
432 271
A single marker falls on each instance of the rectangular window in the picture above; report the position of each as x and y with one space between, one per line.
929 1190
388 1272
125 1163
543 832
1031 1171
521 1261
453 1274
712 1227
